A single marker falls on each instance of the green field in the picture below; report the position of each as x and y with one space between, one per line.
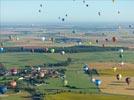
73 96
23 59
77 79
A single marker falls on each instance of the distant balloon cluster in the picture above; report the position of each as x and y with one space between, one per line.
63 18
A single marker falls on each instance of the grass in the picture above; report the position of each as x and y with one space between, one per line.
74 74
19 96
74 96
25 58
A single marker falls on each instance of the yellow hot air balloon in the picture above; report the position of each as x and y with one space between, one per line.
65 82
114 69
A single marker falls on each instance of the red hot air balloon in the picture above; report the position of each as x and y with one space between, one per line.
114 39
14 71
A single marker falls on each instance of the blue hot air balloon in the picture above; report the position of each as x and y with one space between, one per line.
85 68
3 89
1 49
97 82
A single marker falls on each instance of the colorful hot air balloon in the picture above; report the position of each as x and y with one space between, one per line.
3 89
128 80
98 82
118 76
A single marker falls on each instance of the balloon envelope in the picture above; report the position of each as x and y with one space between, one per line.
119 76
3 89
52 50
1 49
97 82
121 50
128 80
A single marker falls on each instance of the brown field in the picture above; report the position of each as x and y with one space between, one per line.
109 82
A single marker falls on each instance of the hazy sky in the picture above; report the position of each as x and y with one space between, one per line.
27 10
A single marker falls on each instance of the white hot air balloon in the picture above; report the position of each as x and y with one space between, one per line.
43 38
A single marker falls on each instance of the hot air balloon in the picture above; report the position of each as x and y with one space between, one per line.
103 45
114 39
128 80
122 63
130 26
114 69
3 89
63 19
13 84
1 49
73 31
83 1
43 38
118 76
118 12
58 17
87 5
39 11
97 41
98 82
62 52
113 1
13 71
65 82
121 50
38 69
85 68
93 80
99 13
79 43
46 49
121 55
41 74
90 43
106 40
41 5
52 50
